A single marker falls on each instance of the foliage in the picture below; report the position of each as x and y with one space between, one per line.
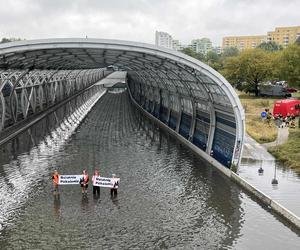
7 40
214 60
230 52
289 152
270 46
192 53
250 66
289 65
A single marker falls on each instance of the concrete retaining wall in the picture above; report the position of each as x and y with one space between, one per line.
266 200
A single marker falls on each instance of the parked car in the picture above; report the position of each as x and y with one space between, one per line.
286 106
292 90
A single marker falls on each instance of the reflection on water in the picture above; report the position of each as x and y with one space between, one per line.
168 197
286 192
56 206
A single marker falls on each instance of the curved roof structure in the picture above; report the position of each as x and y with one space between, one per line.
199 90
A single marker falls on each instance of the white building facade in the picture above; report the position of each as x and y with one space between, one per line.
163 39
202 45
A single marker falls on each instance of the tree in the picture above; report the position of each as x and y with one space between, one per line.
214 60
7 40
192 53
251 67
270 46
230 51
289 65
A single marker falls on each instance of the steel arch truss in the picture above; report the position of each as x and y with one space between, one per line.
24 93
185 94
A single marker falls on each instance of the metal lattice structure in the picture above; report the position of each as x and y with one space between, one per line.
24 92
185 94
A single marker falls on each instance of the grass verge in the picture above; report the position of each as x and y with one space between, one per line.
257 127
289 152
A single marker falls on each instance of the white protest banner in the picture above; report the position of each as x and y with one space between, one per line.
69 179
106 182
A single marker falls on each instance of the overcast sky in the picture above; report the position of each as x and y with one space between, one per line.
137 20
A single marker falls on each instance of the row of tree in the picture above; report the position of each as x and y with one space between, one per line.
246 69
7 40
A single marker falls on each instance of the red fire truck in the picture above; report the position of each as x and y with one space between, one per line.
286 106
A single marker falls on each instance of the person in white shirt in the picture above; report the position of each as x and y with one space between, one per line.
84 181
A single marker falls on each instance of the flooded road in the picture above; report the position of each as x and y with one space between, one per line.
168 197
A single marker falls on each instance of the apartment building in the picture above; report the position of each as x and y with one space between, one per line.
202 45
284 35
243 42
163 39
176 44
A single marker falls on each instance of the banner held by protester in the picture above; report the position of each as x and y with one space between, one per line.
69 179
107 182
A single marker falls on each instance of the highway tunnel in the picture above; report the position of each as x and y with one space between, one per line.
185 94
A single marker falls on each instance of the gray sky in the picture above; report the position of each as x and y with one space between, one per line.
137 20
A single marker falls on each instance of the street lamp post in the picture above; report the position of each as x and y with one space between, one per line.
260 170
274 180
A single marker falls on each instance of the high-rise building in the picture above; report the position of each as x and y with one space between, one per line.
284 35
243 42
163 39
202 45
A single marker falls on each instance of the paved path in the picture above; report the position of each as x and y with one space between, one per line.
256 151
282 137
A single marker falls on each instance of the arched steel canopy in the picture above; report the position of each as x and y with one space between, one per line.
172 80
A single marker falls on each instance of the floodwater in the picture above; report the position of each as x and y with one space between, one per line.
286 192
168 197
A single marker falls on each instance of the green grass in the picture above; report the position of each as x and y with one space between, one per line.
257 127
289 152
297 95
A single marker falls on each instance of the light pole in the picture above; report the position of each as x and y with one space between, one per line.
260 170
274 180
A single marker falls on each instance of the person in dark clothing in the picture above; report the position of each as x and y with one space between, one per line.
115 183
96 189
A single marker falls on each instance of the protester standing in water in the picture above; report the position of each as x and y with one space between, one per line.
84 182
55 180
96 189
115 184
